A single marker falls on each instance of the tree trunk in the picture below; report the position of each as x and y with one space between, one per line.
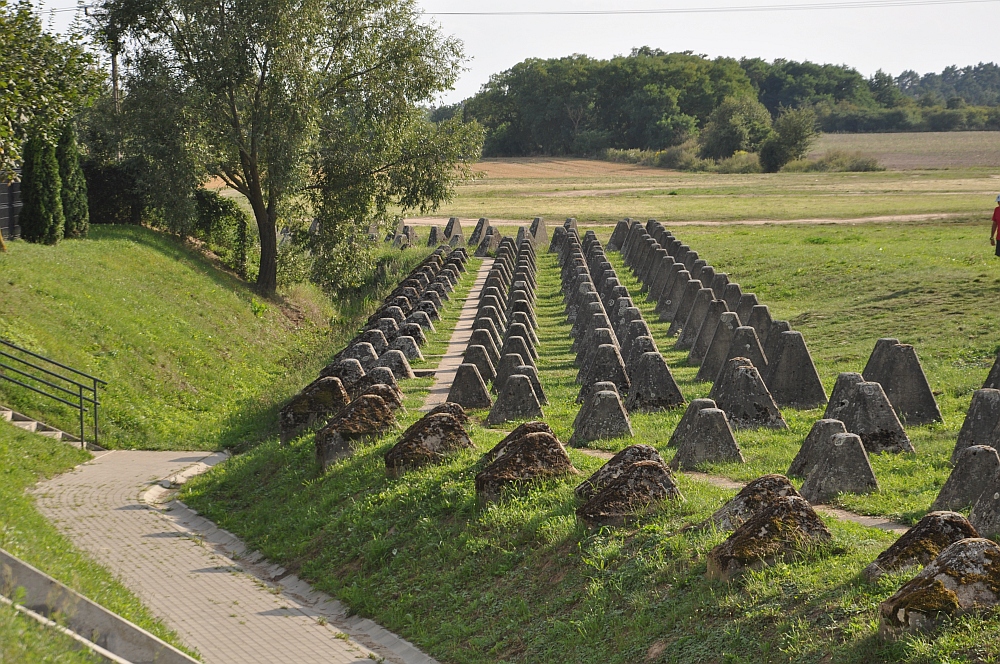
267 276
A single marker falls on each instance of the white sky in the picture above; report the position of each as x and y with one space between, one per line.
924 38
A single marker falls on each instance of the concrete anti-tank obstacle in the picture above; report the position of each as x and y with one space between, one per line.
600 386
664 298
671 299
652 385
614 468
973 473
732 294
745 306
347 370
478 355
751 499
774 338
718 349
487 323
559 235
625 498
434 237
389 327
618 236
588 348
684 307
519 331
489 244
532 373
741 393
819 439
781 529
539 231
408 347
522 430
760 320
896 367
517 401
842 466
427 442
310 407
606 365
710 440
388 394
519 317
981 422
422 319
468 389
377 376
365 417
454 226
363 352
921 544
660 278
377 339
985 515
479 231
683 429
483 338
865 410
605 419
706 331
993 379
719 283
397 362
429 307
640 346
699 311
746 344
791 375
533 457
960 579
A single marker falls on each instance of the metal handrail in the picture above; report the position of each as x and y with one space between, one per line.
84 393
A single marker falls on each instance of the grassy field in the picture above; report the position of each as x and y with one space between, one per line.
193 359
919 150
24 459
524 581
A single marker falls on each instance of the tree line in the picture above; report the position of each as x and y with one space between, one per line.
654 100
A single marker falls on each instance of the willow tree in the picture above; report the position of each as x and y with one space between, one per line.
269 83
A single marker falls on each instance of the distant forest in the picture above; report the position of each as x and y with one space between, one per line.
653 100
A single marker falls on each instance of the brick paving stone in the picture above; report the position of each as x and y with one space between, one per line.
175 561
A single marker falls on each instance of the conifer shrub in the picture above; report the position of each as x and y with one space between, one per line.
41 216
74 185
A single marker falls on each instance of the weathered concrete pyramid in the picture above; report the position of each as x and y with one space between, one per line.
760 320
377 339
592 341
348 371
710 440
479 356
531 372
683 429
614 468
521 318
486 323
389 394
896 367
746 344
413 331
671 297
652 385
454 226
841 467
310 407
706 331
921 544
745 306
960 579
434 237
517 401
604 419
865 410
974 470
366 416
479 231
718 349
753 498
483 338
626 497
787 525
993 379
517 342
640 346
506 369
519 432
699 310
985 515
981 422
605 365
408 347
741 393
732 294
819 439
363 352
685 306
397 362
377 376
489 244
539 231
618 236
428 441
468 389
530 458
422 319
600 386
791 375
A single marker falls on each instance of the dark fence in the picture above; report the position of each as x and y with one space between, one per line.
10 210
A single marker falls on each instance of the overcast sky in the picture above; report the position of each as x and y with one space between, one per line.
924 38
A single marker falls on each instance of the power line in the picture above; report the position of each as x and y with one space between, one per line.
851 4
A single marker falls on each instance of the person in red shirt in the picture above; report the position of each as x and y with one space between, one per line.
995 231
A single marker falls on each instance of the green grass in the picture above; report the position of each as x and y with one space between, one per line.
193 359
524 581
26 458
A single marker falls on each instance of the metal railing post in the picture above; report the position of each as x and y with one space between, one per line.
83 438
96 440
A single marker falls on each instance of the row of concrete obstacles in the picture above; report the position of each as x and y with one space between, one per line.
357 394
503 347
614 346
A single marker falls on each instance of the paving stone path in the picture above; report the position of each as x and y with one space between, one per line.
446 370
225 602
837 513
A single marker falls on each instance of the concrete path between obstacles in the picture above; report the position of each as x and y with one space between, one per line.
726 483
446 370
229 604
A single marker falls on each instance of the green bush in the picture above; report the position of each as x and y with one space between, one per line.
794 133
113 192
741 162
41 193
74 185
835 161
224 226
738 123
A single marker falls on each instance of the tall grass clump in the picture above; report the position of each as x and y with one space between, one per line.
836 161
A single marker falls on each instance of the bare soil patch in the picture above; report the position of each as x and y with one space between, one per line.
919 150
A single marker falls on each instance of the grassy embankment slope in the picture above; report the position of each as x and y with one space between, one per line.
193 359
523 581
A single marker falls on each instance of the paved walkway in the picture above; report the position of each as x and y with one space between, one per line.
725 483
186 571
446 370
